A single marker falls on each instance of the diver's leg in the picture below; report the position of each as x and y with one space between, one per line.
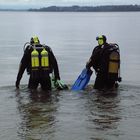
99 82
33 83
46 83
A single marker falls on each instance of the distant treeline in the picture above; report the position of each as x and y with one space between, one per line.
109 8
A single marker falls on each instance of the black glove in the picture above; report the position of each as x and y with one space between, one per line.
57 77
19 76
87 65
55 81
17 84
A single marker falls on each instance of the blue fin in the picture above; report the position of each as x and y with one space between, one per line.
82 80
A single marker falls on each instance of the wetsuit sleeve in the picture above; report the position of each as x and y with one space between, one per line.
23 65
93 59
54 65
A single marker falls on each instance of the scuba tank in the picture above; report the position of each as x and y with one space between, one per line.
39 62
44 59
114 63
35 59
40 58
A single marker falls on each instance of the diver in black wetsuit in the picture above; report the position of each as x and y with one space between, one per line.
105 60
39 61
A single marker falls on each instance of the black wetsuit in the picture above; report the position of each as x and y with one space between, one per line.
41 76
99 61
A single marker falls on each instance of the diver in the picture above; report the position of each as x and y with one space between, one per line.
39 61
105 60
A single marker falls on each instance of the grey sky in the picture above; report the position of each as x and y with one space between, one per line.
45 3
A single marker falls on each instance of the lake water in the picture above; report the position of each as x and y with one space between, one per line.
67 115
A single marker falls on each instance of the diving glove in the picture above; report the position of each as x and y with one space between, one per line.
17 84
60 85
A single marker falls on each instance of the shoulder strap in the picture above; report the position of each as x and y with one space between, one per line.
47 48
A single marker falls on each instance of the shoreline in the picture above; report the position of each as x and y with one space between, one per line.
75 8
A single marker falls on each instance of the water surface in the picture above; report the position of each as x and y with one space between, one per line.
68 115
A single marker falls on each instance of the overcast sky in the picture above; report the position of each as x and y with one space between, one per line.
45 3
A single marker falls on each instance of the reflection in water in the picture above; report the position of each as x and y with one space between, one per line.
104 113
68 115
37 111
95 114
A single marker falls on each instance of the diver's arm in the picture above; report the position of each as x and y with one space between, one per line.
55 65
56 70
23 65
94 59
20 73
89 64
53 62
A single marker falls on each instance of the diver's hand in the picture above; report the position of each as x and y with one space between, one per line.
56 78
17 84
87 65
